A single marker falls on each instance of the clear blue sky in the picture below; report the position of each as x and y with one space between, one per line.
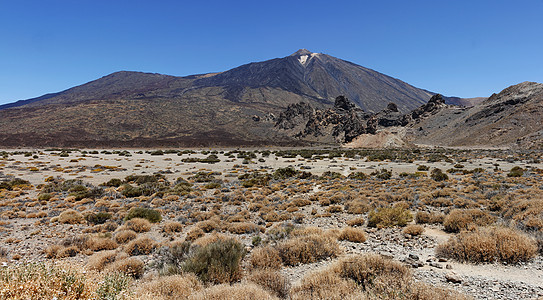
462 48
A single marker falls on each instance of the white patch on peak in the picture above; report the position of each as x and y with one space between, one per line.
303 59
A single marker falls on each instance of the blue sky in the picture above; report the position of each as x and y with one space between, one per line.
461 48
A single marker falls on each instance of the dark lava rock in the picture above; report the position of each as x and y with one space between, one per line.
343 103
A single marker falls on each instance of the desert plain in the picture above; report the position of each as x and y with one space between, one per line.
271 223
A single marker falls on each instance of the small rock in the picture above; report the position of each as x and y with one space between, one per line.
452 277
436 265
448 267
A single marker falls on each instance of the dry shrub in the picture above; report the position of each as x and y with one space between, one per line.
243 228
358 221
325 284
292 209
324 201
101 243
370 270
70 216
210 238
124 236
194 233
467 219
309 230
271 217
488 245
130 266
170 287
300 202
526 213
307 249
208 225
272 281
265 258
60 251
351 234
99 261
422 291
70 251
140 246
172 227
357 206
423 217
47 281
366 277
389 216
238 291
413 230
53 251
334 209
138 225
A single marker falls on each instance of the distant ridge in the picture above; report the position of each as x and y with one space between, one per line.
234 107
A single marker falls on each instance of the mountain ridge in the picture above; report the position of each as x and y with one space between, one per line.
235 107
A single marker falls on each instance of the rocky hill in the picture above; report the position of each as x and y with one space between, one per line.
511 118
235 107
345 122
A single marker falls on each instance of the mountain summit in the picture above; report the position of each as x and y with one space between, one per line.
139 109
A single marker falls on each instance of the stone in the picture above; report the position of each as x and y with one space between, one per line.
453 277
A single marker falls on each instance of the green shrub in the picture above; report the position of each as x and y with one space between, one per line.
151 215
98 218
181 188
358 176
438 175
516 172
45 196
79 192
130 191
115 182
212 185
389 216
331 175
217 262
254 179
382 174
284 173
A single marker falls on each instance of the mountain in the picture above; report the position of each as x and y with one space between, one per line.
511 118
235 107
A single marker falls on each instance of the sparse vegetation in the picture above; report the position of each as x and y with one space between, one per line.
188 230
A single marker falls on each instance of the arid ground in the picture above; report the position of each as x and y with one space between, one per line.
271 223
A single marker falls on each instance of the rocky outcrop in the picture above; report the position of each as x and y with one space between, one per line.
344 122
511 118
434 104
294 115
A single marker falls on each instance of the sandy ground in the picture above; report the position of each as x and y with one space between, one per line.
93 168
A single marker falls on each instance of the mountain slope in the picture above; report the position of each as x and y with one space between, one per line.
319 77
235 107
510 118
